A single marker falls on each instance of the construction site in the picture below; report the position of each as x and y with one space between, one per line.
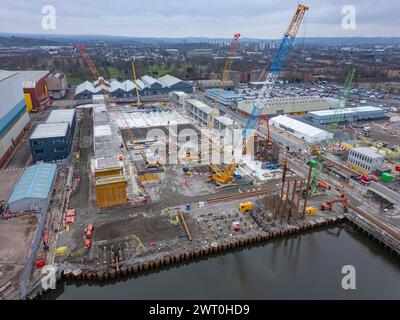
149 184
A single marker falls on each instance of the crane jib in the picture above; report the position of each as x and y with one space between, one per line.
284 49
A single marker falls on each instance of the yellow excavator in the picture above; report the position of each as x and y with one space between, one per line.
222 176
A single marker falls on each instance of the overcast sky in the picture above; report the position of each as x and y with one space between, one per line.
199 18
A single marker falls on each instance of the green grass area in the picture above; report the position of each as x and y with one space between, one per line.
158 71
73 79
115 73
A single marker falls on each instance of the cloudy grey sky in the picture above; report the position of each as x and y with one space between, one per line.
199 18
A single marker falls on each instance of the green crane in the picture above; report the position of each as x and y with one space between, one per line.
342 101
341 104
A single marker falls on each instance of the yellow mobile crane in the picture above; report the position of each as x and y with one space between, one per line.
222 176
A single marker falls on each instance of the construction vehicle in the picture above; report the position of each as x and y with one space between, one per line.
343 97
137 103
229 59
40 261
89 231
275 69
222 176
327 206
315 149
365 179
246 206
236 226
311 211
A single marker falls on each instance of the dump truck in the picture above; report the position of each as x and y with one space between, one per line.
311 211
246 206
89 231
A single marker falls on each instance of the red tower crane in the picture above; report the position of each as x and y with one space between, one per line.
229 59
81 47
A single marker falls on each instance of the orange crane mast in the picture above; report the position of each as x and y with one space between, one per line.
82 49
229 59
97 75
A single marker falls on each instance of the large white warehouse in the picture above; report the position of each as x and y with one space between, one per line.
300 129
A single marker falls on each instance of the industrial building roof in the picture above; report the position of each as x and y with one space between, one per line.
224 120
288 104
368 152
301 128
127 85
149 81
90 87
223 93
61 115
215 82
332 112
169 80
12 95
366 109
50 130
35 182
32 77
200 105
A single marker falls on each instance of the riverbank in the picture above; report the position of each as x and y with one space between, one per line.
303 266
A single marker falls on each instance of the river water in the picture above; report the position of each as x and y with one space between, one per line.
300 267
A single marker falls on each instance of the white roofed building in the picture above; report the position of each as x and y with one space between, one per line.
300 129
346 114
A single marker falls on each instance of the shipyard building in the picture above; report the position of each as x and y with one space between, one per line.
16 101
147 86
34 188
289 105
346 115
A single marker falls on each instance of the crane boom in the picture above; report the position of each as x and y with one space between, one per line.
343 97
229 60
285 47
97 75
341 103
136 85
88 60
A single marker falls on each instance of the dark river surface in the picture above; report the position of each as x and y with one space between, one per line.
300 267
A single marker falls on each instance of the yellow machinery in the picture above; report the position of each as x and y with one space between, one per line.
315 149
222 176
246 206
311 211
137 103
